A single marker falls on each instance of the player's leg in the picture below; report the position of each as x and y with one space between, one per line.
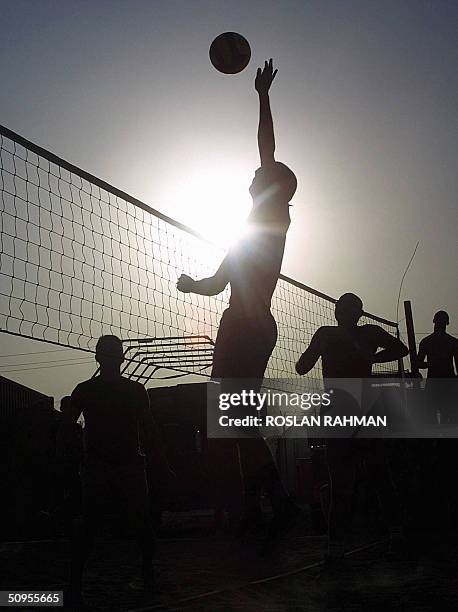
259 469
133 491
224 454
94 493
342 466
226 349
379 474
242 351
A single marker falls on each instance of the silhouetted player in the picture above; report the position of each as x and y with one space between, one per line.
117 423
438 352
348 351
247 332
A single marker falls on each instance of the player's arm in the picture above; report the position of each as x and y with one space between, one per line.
73 413
69 418
392 348
206 286
150 438
421 357
311 355
455 356
266 139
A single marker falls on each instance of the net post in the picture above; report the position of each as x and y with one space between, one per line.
401 371
411 338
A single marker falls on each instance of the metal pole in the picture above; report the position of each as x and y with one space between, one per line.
401 372
411 338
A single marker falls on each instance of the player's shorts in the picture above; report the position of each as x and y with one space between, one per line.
243 346
109 487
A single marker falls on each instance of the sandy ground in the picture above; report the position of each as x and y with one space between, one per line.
201 570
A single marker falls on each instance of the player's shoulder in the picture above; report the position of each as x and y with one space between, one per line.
128 382
326 333
373 332
427 339
372 328
326 330
85 386
132 385
96 381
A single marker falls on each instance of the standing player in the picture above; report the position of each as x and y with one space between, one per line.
349 350
118 422
437 352
247 332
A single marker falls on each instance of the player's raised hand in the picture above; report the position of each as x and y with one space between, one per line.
185 284
264 77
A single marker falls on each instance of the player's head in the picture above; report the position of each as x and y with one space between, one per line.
441 319
349 309
109 351
273 181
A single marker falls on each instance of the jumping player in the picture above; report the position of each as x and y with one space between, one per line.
247 332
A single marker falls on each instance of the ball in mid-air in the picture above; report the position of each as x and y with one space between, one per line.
230 53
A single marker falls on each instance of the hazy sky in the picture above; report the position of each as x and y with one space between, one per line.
365 110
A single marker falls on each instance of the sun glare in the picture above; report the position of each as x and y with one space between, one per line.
213 200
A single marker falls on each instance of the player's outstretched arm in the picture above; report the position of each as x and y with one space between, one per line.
266 139
392 348
311 355
206 286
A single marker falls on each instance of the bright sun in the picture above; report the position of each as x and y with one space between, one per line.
214 200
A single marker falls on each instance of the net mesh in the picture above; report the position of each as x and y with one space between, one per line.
80 259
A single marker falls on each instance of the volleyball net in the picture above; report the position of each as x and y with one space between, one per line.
79 258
